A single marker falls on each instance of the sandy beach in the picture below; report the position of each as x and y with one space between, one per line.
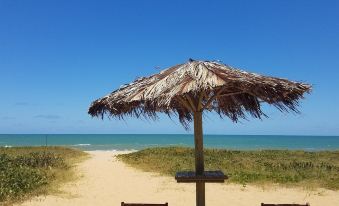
103 180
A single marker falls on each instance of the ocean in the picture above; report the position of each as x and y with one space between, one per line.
140 141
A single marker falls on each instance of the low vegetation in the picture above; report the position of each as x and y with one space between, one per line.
29 171
285 167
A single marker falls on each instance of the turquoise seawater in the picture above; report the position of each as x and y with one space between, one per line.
139 141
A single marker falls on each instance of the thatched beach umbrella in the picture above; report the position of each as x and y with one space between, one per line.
189 89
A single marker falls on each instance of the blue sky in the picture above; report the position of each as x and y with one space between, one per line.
56 57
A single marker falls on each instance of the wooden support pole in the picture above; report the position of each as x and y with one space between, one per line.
199 157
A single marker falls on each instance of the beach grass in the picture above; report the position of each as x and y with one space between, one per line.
309 170
31 171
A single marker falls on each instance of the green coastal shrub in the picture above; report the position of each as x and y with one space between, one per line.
23 171
17 181
285 167
40 159
22 174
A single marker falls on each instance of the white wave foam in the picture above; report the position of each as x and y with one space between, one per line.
82 145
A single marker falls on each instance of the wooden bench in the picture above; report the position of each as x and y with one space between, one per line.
208 176
142 204
263 204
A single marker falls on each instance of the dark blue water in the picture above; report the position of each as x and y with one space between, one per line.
139 141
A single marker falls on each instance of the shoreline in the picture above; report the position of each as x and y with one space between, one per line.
135 150
104 180
84 149
142 141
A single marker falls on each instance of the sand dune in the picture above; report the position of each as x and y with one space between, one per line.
107 181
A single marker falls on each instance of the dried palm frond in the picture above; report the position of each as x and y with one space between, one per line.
197 86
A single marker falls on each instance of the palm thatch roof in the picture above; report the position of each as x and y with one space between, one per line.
197 86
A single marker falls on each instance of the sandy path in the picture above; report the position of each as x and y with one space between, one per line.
107 181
